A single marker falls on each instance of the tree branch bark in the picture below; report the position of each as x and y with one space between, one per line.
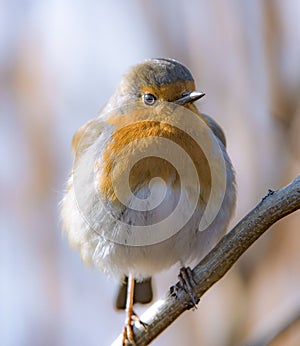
273 207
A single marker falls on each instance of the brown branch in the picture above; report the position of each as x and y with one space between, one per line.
273 330
273 207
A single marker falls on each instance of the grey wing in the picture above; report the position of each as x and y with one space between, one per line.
86 135
216 129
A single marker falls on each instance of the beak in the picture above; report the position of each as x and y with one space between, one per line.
189 97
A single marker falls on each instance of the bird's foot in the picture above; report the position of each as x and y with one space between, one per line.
186 283
128 334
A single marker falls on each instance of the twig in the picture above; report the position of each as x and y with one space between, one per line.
273 207
273 330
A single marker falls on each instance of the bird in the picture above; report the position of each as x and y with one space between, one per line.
151 184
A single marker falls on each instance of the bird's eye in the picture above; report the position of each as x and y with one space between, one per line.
149 99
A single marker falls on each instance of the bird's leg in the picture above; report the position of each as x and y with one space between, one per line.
128 331
187 283
131 316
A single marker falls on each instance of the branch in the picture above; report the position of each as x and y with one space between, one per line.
273 330
273 207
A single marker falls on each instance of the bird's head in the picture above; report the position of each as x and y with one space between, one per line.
156 80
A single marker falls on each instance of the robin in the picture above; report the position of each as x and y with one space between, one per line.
151 185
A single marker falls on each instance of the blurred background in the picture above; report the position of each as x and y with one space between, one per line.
59 63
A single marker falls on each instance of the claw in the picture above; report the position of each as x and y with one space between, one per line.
128 338
186 283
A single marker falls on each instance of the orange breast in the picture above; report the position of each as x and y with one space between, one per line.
131 149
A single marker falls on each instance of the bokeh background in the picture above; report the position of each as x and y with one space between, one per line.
59 63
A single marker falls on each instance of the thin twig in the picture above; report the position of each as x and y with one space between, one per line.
273 330
273 207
